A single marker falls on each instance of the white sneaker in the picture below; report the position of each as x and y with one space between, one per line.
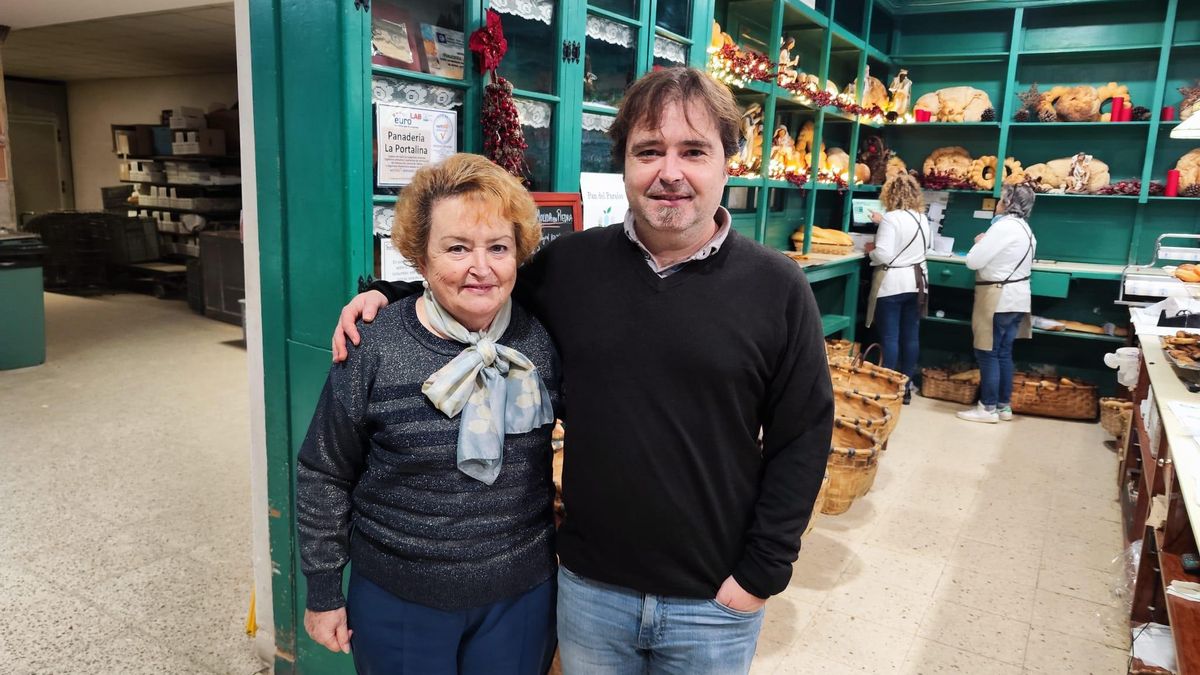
1004 412
979 414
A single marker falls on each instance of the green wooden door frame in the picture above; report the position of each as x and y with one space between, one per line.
313 188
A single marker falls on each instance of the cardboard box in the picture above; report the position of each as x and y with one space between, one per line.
187 118
200 142
133 140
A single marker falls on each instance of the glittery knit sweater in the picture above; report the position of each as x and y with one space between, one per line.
377 484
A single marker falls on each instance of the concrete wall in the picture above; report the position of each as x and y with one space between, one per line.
97 104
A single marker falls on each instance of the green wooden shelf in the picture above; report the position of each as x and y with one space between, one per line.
1164 198
832 323
1054 195
1076 52
950 58
942 126
1108 126
743 181
1037 331
383 199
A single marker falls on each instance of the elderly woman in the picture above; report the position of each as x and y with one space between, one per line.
427 463
899 287
1002 258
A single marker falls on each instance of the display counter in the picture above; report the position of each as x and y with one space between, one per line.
834 279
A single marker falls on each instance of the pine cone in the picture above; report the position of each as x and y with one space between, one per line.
1140 114
1192 190
1047 116
988 115
1022 115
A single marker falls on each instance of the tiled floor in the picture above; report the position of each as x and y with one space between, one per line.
981 549
124 494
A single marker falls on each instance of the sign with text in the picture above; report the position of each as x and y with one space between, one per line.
409 138
559 213
604 201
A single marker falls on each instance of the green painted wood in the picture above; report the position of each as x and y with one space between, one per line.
568 114
950 274
1008 102
1168 32
1049 284
832 323
1036 331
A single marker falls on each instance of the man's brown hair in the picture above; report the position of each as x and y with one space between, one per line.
646 100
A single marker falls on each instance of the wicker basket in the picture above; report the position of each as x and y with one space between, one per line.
818 504
864 411
936 383
841 349
862 377
1115 414
850 467
1034 396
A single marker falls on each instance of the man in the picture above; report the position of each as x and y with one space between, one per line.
681 342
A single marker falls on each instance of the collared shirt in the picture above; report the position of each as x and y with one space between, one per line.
724 224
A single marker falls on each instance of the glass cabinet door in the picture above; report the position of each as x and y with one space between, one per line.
610 60
423 36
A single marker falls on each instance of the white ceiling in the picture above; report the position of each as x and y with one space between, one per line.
20 14
177 42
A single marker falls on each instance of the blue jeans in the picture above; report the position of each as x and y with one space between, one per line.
898 320
392 636
610 630
996 366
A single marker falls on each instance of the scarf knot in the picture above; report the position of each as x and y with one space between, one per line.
495 388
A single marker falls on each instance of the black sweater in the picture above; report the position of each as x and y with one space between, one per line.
378 484
667 383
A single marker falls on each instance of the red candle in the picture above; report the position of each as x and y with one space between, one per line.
1168 113
1127 111
1172 183
922 115
1118 104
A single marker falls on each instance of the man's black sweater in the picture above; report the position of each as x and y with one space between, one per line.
666 384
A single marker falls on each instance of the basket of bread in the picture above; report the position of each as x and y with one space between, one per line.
824 240
1183 350
840 348
959 386
1115 414
1054 397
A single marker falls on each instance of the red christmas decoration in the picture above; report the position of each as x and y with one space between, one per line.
822 98
746 64
800 179
503 141
489 43
936 180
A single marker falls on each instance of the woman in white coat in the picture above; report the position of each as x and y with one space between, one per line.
1002 258
899 284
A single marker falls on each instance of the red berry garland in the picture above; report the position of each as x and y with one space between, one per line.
821 98
503 141
747 65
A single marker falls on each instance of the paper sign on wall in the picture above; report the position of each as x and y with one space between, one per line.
604 201
393 266
410 138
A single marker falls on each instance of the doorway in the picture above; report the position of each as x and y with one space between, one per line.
38 181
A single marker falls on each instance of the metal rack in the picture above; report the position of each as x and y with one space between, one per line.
1153 281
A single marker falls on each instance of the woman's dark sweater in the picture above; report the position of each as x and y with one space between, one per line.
377 482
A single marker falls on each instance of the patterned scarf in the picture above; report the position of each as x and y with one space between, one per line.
488 383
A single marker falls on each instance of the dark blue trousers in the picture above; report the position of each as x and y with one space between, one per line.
898 319
395 637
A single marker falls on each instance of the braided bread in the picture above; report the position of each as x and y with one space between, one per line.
983 172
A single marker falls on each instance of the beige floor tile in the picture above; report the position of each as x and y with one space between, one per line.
1081 618
976 631
927 657
785 619
916 573
807 662
1081 552
767 657
1105 507
1007 593
1024 536
865 645
1084 583
893 606
986 556
1053 652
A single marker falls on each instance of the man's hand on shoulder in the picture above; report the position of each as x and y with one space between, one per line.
366 305
732 595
